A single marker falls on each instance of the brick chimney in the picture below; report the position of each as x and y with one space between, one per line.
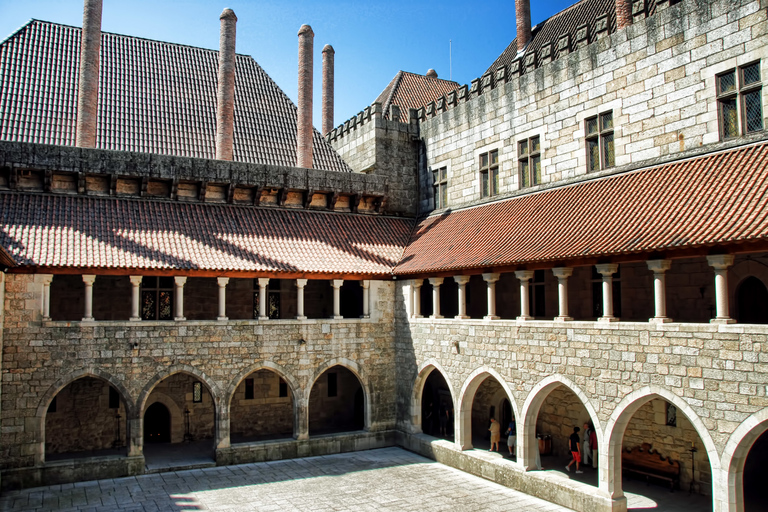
304 117
328 54
88 81
623 13
225 95
523 17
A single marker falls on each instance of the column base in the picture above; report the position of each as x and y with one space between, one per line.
366 316
436 317
179 318
301 318
524 318
491 317
89 319
337 317
607 319
263 318
135 319
461 317
660 320
417 316
46 319
722 321
222 318
563 318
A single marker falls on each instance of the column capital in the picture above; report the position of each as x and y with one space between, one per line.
562 272
491 277
222 281
659 265
263 281
46 278
89 278
524 275
136 280
461 280
337 283
180 280
436 281
365 283
720 261
417 283
301 283
607 269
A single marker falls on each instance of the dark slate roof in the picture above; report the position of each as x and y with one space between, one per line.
409 90
721 198
56 231
154 97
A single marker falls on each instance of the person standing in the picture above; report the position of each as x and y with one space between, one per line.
587 445
593 444
575 447
511 436
495 434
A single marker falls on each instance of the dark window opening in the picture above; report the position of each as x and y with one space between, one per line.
197 392
114 398
249 389
157 298
440 187
283 392
536 302
332 385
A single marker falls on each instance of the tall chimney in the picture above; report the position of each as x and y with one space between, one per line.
523 17
328 54
304 117
225 95
88 81
623 13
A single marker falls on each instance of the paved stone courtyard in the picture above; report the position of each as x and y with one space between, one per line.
387 479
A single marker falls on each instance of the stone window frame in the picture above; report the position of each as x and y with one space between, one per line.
526 159
581 133
735 97
489 173
476 155
602 138
439 175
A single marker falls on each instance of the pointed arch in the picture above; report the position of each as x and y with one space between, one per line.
466 398
424 371
735 453
357 371
212 387
530 413
610 451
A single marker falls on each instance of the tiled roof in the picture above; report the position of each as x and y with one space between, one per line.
409 90
90 232
716 199
154 97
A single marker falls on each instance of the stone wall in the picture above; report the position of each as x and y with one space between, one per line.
265 415
561 411
334 413
656 76
175 392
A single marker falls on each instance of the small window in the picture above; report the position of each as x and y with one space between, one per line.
489 173
249 389
529 161
283 389
600 150
114 398
440 187
197 392
332 385
157 298
739 92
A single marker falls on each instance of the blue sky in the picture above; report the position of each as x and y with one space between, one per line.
372 40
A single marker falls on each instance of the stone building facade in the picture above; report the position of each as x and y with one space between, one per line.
576 237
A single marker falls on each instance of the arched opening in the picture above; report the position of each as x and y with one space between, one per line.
261 408
755 476
157 424
437 407
490 401
752 301
336 403
86 418
744 459
181 410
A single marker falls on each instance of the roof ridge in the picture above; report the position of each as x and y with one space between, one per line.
398 78
13 34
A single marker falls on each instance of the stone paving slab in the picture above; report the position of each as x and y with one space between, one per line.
388 479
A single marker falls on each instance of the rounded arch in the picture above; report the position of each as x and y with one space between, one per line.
527 432
467 396
610 451
64 381
212 387
735 456
356 370
425 369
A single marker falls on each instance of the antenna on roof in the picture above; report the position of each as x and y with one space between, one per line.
450 59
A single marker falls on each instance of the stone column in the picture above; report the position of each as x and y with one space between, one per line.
263 283
46 305
436 282
562 274
417 297
135 435
179 281
301 420
659 267
524 276
607 270
720 263
491 279
222 282
462 282
337 284
300 284
88 280
135 298
366 298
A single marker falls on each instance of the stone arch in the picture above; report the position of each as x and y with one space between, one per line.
526 433
212 387
293 385
610 448
61 383
466 397
741 270
424 371
177 417
731 472
357 371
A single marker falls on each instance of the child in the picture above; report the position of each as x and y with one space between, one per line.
575 450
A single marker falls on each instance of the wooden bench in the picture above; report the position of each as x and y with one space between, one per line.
644 460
